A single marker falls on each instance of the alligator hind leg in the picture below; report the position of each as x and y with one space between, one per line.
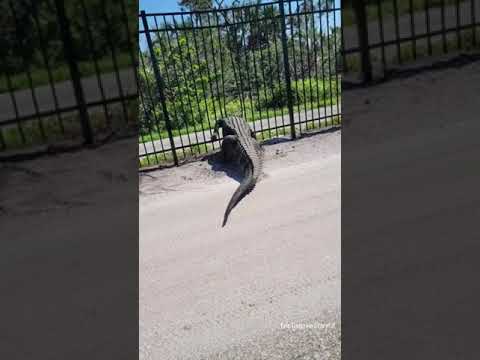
229 148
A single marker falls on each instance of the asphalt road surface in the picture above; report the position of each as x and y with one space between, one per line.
243 291
65 94
410 211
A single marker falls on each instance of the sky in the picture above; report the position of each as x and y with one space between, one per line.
158 5
163 5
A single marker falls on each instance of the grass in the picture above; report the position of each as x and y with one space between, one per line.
52 127
62 72
234 108
32 133
273 133
252 112
166 158
348 15
308 126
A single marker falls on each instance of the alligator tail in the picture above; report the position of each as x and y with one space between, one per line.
246 186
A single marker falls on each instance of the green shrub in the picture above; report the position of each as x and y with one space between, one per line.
306 90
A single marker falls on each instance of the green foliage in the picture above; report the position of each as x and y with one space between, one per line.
304 90
30 26
276 98
186 84
194 5
313 90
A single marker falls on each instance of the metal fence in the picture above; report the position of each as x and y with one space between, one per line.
67 72
276 64
380 35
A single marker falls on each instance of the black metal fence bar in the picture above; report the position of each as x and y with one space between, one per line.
160 87
175 113
412 28
15 109
360 12
427 22
444 34
278 65
29 77
74 72
331 67
337 50
113 53
473 21
286 64
47 65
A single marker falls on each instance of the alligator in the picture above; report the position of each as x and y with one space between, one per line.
240 146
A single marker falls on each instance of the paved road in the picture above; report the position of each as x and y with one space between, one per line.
65 94
208 292
201 136
410 211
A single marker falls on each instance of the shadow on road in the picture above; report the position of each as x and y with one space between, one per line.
230 169
276 140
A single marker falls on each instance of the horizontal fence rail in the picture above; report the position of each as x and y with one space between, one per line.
276 64
67 72
380 35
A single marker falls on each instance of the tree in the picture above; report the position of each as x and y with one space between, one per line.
30 26
18 37
195 5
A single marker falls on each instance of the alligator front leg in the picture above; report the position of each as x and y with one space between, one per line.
229 147
215 134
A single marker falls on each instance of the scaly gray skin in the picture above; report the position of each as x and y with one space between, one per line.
239 144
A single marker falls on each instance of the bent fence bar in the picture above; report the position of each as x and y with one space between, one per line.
276 64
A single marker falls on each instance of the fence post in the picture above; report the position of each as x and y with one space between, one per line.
160 85
361 15
74 72
286 65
